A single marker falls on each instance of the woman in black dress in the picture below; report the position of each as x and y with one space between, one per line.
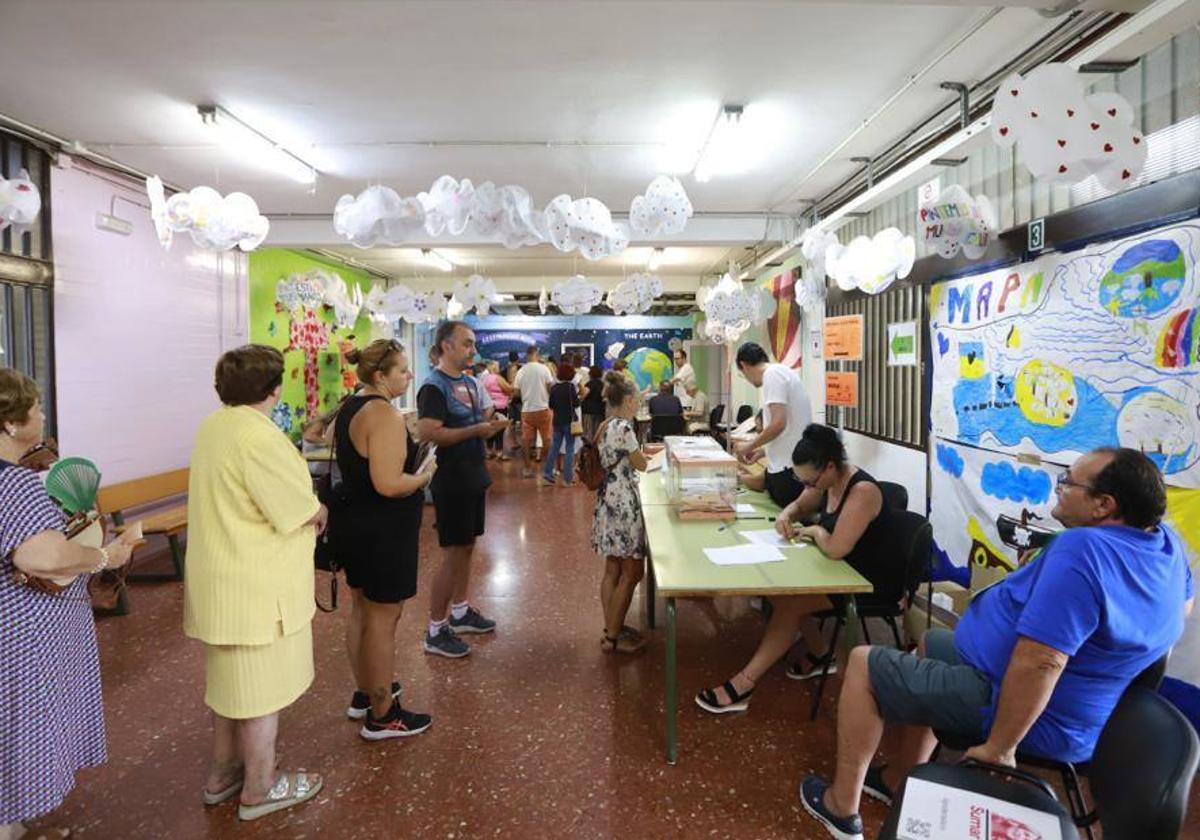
375 522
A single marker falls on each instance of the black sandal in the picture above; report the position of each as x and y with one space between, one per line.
614 645
707 700
816 663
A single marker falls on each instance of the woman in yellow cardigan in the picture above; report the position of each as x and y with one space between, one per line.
248 585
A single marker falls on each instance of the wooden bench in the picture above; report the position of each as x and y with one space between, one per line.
116 500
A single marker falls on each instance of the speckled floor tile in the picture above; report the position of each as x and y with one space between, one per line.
536 735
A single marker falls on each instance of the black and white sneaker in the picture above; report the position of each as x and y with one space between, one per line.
446 643
812 797
397 723
472 622
360 702
875 787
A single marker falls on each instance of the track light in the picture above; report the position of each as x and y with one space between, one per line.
251 144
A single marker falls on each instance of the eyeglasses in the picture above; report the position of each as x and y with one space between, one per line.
1064 480
811 483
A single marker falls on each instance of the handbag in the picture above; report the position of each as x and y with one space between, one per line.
324 553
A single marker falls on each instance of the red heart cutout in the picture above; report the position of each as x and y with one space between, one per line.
1003 131
1062 143
1070 113
1014 91
1095 126
1108 147
1112 112
1033 114
1125 173
1062 168
1137 140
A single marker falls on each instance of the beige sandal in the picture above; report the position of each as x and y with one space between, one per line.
291 789
217 798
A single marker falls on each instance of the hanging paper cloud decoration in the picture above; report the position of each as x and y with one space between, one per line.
377 214
814 245
614 350
1065 135
20 201
507 212
302 291
478 293
730 309
212 221
576 295
346 302
448 205
955 220
373 301
664 209
872 264
584 224
635 295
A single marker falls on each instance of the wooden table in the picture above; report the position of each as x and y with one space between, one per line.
679 568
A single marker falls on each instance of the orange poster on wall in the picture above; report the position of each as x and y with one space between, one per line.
841 388
843 338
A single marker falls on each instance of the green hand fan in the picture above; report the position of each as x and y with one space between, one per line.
73 482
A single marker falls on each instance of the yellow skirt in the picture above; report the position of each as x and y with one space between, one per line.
249 681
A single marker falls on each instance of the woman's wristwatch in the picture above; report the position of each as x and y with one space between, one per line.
103 561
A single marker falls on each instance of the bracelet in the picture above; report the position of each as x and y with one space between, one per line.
103 561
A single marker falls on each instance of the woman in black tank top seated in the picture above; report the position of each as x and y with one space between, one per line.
375 517
841 510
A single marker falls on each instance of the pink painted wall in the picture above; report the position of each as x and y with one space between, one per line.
137 329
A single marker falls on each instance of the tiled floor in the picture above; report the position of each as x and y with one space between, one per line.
536 735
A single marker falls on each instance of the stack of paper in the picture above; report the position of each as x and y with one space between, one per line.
743 555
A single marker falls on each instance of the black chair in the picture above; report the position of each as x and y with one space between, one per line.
894 495
914 535
715 427
666 424
1003 783
745 412
1084 817
1144 764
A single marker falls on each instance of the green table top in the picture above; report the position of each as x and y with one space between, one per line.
681 568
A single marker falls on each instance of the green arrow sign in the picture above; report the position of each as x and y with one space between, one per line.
902 344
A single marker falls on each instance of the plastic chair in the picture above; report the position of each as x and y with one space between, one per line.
894 495
1003 783
666 424
914 533
1143 767
745 412
1084 817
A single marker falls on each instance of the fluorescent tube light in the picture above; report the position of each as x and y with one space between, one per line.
251 144
722 151
433 258
655 260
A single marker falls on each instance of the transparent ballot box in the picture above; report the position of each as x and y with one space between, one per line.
701 478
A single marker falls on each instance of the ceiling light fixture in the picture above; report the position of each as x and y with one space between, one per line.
433 258
250 143
721 151
656 257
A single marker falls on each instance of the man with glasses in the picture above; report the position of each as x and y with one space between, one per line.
1038 661
451 409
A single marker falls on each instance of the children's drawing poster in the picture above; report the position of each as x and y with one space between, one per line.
1052 358
985 507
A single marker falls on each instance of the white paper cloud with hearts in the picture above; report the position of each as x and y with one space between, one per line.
1064 134
20 200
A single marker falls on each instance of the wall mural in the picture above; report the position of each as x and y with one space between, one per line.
1053 358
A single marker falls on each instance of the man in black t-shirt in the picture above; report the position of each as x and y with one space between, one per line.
450 407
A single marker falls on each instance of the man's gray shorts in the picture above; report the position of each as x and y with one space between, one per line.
939 690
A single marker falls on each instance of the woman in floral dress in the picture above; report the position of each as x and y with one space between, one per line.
618 531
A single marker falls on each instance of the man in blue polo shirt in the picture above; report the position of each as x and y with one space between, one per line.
1039 660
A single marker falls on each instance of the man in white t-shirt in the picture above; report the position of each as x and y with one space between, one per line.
697 413
533 381
685 377
786 412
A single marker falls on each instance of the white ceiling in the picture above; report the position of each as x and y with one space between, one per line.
357 87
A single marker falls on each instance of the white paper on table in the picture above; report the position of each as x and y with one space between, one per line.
745 507
932 811
769 536
743 555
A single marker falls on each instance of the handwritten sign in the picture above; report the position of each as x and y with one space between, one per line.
841 388
843 338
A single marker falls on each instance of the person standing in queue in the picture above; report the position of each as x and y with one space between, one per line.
450 408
